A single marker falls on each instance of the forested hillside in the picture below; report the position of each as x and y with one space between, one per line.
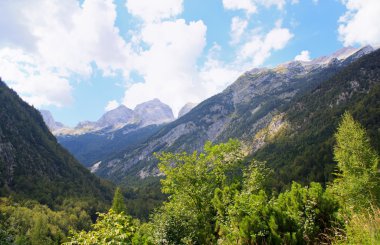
303 150
44 191
32 163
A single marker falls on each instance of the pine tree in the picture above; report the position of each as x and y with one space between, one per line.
357 182
118 204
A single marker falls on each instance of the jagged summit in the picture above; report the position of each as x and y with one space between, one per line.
251 104
153 112
186 108
49 120
119 115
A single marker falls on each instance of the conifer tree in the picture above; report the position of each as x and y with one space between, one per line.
118 204
357 182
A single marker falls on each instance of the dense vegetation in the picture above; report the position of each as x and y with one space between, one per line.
44 191
215 198
32 163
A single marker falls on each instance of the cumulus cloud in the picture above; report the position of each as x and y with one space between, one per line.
54 41
168 66
303 56
250 6
216 75
149 10
238 26
259 47
15 33
113 104
246 5
168 63
62 38
359 25
35 83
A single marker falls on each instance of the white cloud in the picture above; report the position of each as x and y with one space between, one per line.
246 5
360 23
113 104
54 41
149 10
238 26
35 83
216 75
259 47
168 66
303 56
250 6
71 37
63 38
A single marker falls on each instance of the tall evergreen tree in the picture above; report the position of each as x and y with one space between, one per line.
118 204
357 183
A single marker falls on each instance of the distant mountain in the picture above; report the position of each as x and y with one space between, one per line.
153 112
49 120
256 109
119 116
33 165
117 130
94 147
186 108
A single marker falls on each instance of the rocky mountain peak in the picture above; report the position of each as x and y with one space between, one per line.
49 120
153 112
119 115
186 108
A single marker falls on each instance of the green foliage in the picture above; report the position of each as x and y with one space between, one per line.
362 228
32 223
191 180
118 203
215 199
32 163
305 213
110 228
357 183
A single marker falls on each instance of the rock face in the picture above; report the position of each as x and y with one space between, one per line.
117 130
32 164
49 120
186 108
241 111
153 112
120 115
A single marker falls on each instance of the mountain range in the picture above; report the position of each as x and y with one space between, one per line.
285 115
152 112
256 109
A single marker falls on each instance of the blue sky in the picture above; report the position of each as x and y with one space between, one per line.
81 58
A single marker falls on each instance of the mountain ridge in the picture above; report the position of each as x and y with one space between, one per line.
241 111
32 163
152 112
